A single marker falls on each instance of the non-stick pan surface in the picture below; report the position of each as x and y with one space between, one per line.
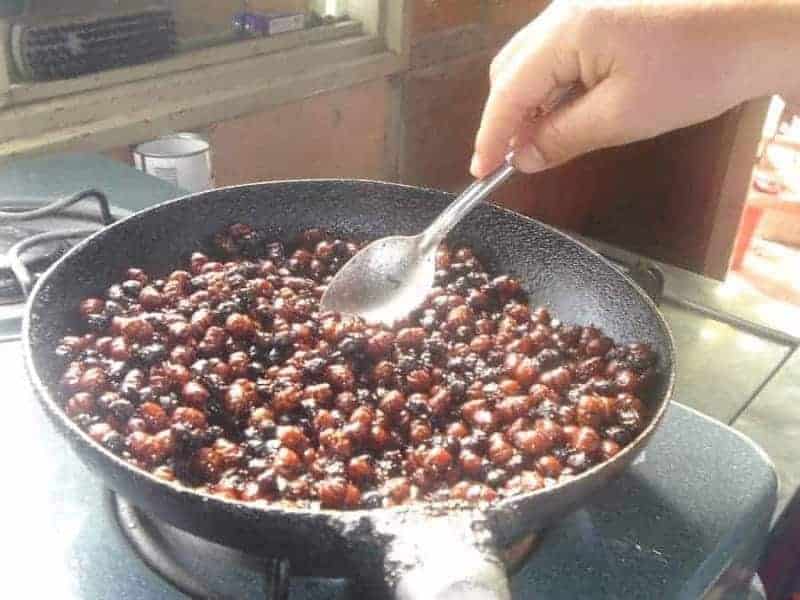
576 283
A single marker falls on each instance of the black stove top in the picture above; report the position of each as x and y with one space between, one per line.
37 260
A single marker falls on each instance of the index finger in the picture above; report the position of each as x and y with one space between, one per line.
528 80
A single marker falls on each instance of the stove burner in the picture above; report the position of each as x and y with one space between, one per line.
203 569
41 231
22 269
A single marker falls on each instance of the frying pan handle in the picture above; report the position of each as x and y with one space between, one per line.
446 558
450 577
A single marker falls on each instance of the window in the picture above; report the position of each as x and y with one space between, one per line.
124 69
202 23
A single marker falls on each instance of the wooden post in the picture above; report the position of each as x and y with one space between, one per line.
747 229
5 62
738 156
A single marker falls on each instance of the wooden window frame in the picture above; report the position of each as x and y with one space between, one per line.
190 90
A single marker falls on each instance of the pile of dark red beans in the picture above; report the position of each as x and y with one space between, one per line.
226 377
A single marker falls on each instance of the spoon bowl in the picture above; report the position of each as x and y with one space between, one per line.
384 282
390 277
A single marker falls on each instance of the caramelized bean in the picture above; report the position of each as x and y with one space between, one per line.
226 375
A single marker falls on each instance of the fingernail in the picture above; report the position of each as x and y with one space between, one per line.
530 160
475 164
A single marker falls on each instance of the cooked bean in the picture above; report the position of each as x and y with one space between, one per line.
224 374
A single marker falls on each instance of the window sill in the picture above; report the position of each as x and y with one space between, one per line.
28 92
120 115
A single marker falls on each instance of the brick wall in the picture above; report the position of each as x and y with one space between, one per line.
452 45
441 98
340 134
437 15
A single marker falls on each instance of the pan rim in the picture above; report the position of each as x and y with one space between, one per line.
53 410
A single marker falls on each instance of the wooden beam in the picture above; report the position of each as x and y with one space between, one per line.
5 62
125 128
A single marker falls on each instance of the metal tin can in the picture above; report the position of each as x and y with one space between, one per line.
183 159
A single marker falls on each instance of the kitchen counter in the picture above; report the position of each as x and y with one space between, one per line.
58 175
773 418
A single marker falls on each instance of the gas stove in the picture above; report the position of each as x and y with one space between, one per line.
34 233
697 511
46 205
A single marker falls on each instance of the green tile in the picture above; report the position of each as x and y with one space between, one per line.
772 420
720 367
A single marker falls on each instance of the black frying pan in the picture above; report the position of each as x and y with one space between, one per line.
418 552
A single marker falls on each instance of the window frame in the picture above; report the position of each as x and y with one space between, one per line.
125 106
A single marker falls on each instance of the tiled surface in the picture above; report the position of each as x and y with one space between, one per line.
773 419
719 367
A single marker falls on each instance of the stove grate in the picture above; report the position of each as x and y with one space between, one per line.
20 260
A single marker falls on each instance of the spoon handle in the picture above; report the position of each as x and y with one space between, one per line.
480 189
463 205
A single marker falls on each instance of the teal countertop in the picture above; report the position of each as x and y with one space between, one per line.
58 175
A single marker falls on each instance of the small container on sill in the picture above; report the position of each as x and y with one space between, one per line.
182 159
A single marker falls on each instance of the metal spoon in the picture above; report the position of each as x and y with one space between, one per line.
391 276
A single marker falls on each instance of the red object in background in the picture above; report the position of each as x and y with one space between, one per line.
766 184
751 217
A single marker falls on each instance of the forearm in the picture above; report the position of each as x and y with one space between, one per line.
648 66
744 48
768 34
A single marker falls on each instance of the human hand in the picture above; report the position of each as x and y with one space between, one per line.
647 67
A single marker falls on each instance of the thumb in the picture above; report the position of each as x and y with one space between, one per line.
588 123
